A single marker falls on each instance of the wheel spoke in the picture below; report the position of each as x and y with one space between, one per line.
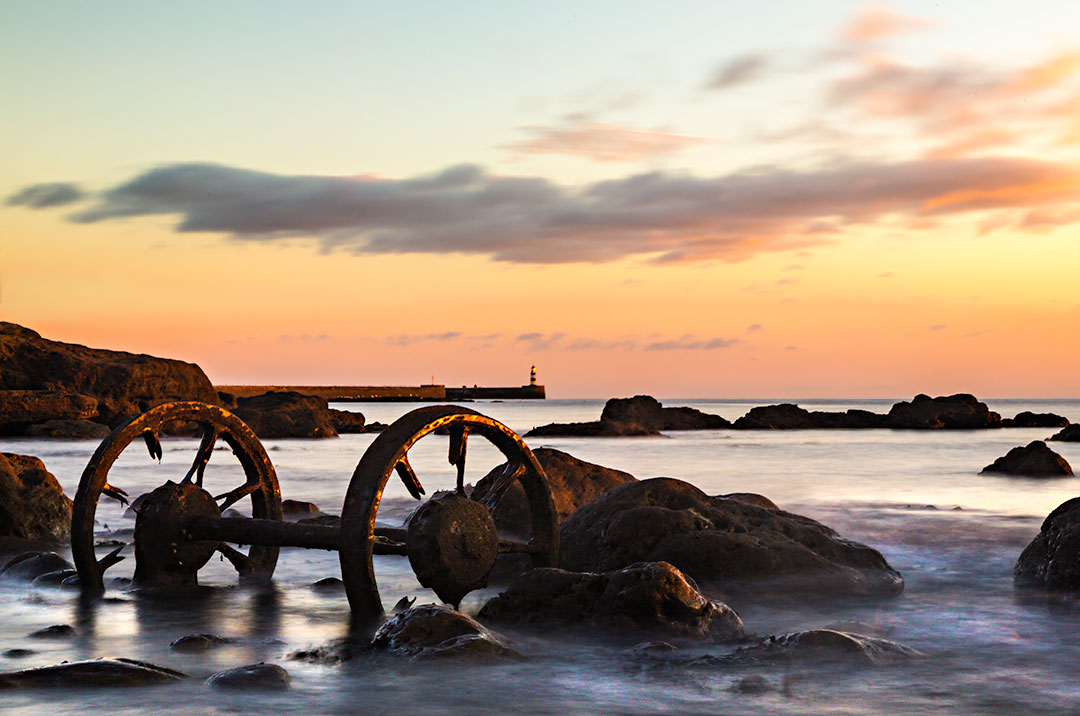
500 485
240 561
459 435
153 444
408 476
206 450
233 496
111 558
510 545
115 492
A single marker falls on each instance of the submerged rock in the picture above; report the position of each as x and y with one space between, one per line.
261 676
328 585
822 646
286 414
1052 560
720 543
95 673
434 631
1028 419
1033 460
56 631
29 566
573 483
652 597
1069 434
32 503
196 643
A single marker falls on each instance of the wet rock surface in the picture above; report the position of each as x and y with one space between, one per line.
261 676
650 597
198 643
1069 434
286 414
32 503
1035 459
30 565
95 673
123 384
573 482
434 631
297 509
723 544
1051 561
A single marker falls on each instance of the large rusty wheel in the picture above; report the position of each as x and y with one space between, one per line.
177 500
451 541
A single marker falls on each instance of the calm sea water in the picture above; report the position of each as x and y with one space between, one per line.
914 495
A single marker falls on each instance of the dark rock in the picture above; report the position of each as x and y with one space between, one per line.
1070 434
573 483
788 416
124 384
54 579
19 409
286 415
650 597
726 544
822 646
327 520
1052 560
329 585
97 673
261 676
646 411
29 566
753 685
32 503
375 427
56 631
1028 419
437 631
294 509
227 400
1033 460
197 643
750 498
346 421
74 428
19 653
594 429
955 412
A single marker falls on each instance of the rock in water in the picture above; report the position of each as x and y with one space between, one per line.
434 631
651 597
727 544
1069 434
822 646
346 421
286 414
954 412
195 643
1052 560
81 429
22 409
96 673
1028 419
124 384
647 411
788 416
1033 460
261 676
32 503
29 566
573 483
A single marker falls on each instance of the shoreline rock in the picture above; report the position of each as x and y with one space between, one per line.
1049 561
33 506
285 414
1070 434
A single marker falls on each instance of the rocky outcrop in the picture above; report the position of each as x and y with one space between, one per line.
32 503
788 416
1032 460
954 412
434 631
593 429
124 384
286 414
299 509
96 673
637 416
1070 434
260 677
750 498
573 483
75 428
722 544
1052 560
650 598
346 421
1028 419
20 409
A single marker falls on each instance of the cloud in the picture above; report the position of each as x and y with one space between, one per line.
937 327
44 196
737 71
689 342
877 23
602 142
540 341
406 339
755 328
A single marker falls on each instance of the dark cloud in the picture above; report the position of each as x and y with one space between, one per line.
672 217
44 196
737 71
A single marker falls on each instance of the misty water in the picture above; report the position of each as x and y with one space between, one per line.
914 495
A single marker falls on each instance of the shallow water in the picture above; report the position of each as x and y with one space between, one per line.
987 651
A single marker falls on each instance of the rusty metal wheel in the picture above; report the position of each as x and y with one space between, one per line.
217 423
451 540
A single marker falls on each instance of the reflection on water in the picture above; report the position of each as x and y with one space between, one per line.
988 651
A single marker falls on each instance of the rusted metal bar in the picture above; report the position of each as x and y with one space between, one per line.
247 530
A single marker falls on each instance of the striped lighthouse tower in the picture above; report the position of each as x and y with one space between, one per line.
532 376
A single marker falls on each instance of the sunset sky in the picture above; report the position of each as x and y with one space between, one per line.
688 199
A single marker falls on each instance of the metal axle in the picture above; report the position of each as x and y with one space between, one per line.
247 530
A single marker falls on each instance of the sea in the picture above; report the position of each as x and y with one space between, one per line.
916 496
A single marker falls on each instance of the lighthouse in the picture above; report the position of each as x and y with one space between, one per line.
532 376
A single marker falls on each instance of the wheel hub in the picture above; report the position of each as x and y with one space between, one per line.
164 555
452 544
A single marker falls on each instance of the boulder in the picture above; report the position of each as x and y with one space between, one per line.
28 566
74 428
298 509
750 498
594 429
434 631
1052 560
375 427
788 416
346 421
286 414
198 643
651 598
1028 419
1032 460
95 673
56 631
823 646
124 384
1070 434
955 412
647 411
573 483
19 409
725 544
261 677
32 503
